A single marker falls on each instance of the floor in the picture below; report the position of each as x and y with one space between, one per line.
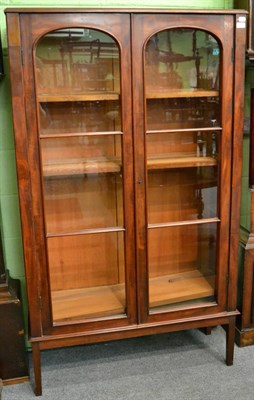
177 366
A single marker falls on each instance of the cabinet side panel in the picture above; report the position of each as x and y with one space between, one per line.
20 132
239 56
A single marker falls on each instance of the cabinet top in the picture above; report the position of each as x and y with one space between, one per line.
124 10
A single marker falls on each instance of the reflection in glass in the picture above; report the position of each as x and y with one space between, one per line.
81 154
183 139
201 146
182 264
84 202
78 82
87 276
82 182
79 115
182 194
163 114
77 60
182 79
182 176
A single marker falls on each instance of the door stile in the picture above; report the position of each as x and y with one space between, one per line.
139 163
238 113
128 164
225 193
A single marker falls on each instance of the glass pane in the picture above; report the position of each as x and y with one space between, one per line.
182 80
182 194
87 276
77 75
82 182
182 176
80 116
78 81
182 264
184 113
198 146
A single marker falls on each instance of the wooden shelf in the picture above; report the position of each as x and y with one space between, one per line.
102 301
80 168
114 166
98 301
180 162
180 93
180 287
103 95
87 96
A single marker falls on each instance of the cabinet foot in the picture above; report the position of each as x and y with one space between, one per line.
37 369
207 330
230 341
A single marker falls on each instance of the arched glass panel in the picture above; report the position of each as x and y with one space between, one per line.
182 69
78 79
77 72
183 136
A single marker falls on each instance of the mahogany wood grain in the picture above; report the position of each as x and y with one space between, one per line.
56 341
237 165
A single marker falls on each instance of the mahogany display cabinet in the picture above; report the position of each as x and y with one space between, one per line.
128 130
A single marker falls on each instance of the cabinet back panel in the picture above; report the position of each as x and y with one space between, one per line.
85 260
80 116
179 249
182 194
92 201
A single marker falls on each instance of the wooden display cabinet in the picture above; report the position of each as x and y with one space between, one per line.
128 128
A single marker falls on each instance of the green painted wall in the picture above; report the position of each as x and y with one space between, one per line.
9 211
245 194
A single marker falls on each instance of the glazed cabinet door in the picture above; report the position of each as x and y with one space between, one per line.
184 67
76 71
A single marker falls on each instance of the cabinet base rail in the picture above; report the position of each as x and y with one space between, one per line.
226 319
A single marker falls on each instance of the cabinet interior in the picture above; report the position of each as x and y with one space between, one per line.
79 104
